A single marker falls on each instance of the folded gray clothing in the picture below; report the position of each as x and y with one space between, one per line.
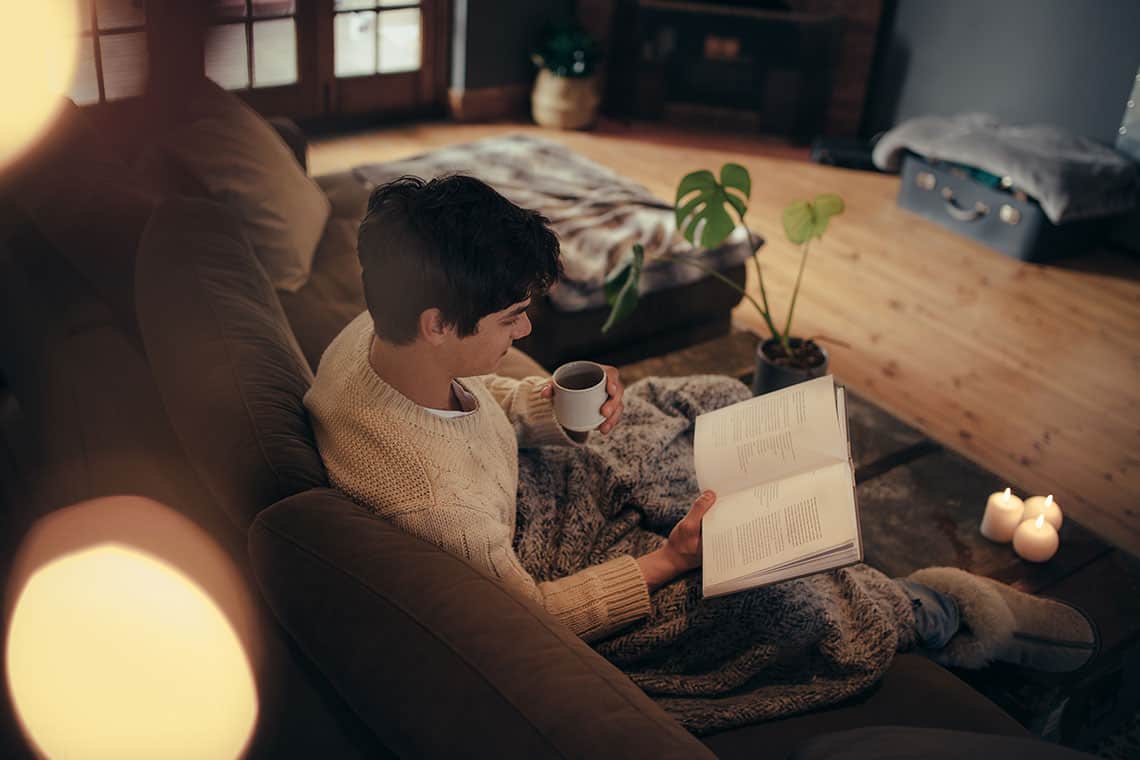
1071 177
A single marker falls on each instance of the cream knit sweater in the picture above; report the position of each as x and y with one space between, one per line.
453 481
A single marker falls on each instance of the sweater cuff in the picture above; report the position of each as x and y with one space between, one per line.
625 593
599 600
542 426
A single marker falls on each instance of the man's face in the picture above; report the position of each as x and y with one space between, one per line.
481 352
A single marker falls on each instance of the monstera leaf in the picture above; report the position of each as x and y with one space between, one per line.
700 198
621 287
804 220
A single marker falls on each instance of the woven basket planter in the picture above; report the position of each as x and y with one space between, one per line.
564 102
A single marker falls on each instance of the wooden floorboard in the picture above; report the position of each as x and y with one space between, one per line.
1031 371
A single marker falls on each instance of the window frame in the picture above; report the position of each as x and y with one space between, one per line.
404 93
318 97
297 99
90 10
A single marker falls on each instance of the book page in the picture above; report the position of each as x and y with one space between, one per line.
775 523
790 431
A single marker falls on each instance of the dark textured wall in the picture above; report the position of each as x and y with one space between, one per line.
494 40
1065 62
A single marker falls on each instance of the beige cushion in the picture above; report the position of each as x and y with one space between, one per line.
240 161
332 297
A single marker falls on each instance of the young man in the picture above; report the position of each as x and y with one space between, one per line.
412 422
411 419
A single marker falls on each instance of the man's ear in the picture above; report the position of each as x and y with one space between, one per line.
432 327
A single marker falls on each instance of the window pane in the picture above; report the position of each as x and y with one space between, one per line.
85 84
115 14
226 56
399 36
229 8
273 8
389 3
124 64
351 5
274 52
354 43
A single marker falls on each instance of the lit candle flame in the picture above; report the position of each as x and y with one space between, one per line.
1005 497
1048 500
1040 520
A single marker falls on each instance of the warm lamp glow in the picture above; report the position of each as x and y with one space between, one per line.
112 653
1040 521
38 48
130 636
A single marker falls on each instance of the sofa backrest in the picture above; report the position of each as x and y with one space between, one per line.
82 198
229 371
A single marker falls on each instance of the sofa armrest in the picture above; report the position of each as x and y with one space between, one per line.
293 137
436 657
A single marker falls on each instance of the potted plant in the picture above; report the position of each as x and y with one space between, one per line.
565 93
705 209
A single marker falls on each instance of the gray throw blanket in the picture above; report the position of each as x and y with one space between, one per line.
597 214
716 663
1071 177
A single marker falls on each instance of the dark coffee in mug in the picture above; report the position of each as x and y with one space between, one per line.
579 392
581 380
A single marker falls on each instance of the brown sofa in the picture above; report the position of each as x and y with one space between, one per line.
156 358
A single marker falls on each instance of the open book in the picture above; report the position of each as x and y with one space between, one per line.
781 467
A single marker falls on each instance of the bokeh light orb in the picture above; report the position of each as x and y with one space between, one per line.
39 43
122 642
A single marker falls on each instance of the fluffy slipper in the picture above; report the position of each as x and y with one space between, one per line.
1004 624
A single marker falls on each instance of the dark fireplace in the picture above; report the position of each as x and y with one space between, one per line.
752 65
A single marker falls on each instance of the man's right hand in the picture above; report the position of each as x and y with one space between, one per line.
682 550
685 538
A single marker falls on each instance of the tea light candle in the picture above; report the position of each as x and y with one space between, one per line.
1043 505
1002 516
1036 540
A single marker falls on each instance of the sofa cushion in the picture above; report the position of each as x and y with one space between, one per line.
347 194
88 204
905 743
241 161
228 368
333 295
438 658
914 692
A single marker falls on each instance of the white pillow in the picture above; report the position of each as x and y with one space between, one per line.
244 164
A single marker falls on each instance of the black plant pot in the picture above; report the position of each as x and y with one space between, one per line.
770 377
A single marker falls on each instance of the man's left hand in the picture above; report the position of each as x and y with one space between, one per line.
613 407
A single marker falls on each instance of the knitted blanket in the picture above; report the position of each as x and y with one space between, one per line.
597 214
711 663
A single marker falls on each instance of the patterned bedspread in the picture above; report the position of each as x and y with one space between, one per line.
597 214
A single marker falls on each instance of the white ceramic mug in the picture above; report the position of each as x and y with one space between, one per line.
579 392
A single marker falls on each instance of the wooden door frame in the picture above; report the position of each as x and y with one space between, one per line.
401 94
301 99
176 53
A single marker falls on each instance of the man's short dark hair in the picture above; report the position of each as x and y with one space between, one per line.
455 244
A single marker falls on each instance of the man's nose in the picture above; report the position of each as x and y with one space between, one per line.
524 327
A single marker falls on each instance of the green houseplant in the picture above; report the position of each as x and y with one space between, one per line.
707 210
565 93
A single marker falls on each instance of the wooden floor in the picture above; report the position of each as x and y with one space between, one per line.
1031 371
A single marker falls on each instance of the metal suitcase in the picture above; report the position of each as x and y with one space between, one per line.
1003 219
